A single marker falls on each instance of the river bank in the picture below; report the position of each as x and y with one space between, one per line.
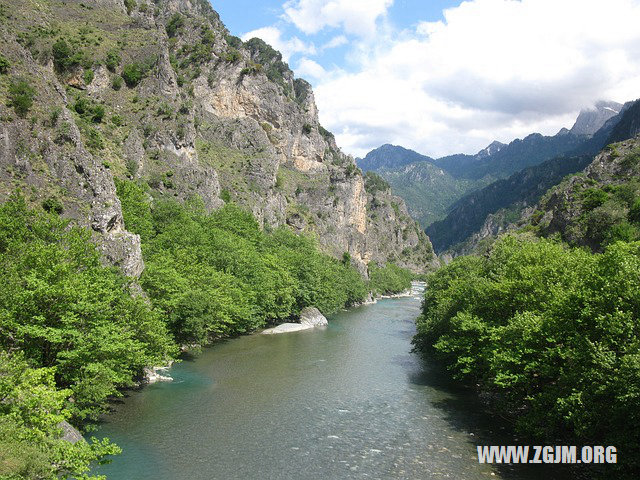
345 401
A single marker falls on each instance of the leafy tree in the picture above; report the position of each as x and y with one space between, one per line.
31 410
388 279
550 332
63 309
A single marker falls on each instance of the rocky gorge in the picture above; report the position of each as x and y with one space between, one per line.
163 94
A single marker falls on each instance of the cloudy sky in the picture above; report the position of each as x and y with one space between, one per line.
443 76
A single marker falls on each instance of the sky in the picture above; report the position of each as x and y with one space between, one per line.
443 76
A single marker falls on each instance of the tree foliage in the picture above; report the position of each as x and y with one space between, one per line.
551 331
64 310
218 274
388 279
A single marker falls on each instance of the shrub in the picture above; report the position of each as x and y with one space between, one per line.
175 23
94 139
88 76
113 60
53 205
129 5
592 198
21 95
116 83
64 57
374 183
89 110
117 120
634 212
132 74
232 55
306 129
4 64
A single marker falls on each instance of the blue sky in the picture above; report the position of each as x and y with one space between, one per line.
445 77
243 16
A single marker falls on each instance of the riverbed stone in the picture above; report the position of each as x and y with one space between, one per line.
312 316
287 328
153 375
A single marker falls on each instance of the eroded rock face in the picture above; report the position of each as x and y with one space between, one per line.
211 117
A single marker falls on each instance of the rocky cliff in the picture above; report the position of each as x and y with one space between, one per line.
163 94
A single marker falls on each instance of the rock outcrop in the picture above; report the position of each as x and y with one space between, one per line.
70 433
310 318
163 94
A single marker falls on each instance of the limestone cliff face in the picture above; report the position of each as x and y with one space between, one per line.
190 110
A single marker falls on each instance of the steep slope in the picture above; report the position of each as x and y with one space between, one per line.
165 95
490 210
598 206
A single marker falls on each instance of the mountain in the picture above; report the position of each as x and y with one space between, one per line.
163 95
426 188
487 211
390 156
591 120
493 148
596 207
508 159
495 208
431 187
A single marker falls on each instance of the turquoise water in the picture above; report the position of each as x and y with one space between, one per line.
346 401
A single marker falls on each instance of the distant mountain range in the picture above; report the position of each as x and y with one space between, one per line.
453 196
490 210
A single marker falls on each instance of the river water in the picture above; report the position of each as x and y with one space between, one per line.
346 401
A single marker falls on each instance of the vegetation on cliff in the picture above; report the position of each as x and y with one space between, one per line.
73 335
218 274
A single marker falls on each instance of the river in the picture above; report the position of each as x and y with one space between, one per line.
346 401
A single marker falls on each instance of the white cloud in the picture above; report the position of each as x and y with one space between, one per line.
357 17
494 69
288 47
308 68
335 42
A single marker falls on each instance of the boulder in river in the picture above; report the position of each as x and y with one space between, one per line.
153 375
287 328
312 316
